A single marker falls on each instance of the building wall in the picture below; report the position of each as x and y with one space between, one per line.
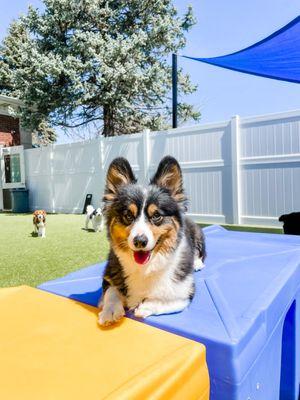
25 138
11 134
9 131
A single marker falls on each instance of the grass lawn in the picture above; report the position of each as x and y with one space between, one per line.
32 260
67 247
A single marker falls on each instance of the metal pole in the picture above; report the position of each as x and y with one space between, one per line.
174 90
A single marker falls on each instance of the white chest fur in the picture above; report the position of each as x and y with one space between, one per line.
156 280
41 229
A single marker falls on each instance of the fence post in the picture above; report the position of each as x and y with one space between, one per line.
101 152
235 169
101 149
146 147
52 178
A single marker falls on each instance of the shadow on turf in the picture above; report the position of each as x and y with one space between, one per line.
88 230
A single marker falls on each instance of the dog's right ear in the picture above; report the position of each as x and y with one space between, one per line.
119 174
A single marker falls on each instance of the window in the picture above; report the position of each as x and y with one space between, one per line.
12 167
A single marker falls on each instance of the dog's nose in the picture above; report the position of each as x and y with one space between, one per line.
140 241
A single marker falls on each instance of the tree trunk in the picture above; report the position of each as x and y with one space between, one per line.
108 121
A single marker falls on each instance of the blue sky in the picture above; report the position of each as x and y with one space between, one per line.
223 26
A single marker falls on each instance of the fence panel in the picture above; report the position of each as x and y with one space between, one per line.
270 167
245 170
204 156
130 147
59 177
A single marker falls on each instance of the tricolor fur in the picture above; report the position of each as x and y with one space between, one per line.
39 222
155 248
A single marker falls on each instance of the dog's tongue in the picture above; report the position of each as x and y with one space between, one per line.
141 257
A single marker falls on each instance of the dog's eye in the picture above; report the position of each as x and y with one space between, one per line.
156 218
128 217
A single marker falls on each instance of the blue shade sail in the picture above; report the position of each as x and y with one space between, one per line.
275 57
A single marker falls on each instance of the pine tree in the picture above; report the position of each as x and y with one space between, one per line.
81 61
12 61
44 135
11 57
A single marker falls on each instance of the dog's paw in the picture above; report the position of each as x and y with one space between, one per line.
198 264
143 311
111 314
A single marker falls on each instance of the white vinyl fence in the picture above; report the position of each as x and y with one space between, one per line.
242 171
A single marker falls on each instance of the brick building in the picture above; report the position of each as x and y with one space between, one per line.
11 134
11 131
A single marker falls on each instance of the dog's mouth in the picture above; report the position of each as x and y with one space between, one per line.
141 257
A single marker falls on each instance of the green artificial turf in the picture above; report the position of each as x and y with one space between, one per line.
29 260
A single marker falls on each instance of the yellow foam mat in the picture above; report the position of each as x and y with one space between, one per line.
52 348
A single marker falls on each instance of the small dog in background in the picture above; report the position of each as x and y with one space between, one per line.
39 223
96 217
291 223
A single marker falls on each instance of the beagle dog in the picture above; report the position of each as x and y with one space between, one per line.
39 222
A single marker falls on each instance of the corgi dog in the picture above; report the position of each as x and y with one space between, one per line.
39 223
154 247
96 217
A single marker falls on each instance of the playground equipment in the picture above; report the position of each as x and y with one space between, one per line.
52 348
244 311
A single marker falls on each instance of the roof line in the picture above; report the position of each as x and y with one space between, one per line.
226 316
10 100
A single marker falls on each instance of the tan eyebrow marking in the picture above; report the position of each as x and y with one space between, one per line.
151 209
133 208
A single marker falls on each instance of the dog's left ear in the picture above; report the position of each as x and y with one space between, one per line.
119 174
169 176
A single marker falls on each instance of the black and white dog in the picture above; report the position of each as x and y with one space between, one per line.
96 217
154 247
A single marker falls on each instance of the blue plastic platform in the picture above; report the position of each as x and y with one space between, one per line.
245 311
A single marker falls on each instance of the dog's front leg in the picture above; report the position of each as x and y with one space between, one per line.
157 307
112 307
198 264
